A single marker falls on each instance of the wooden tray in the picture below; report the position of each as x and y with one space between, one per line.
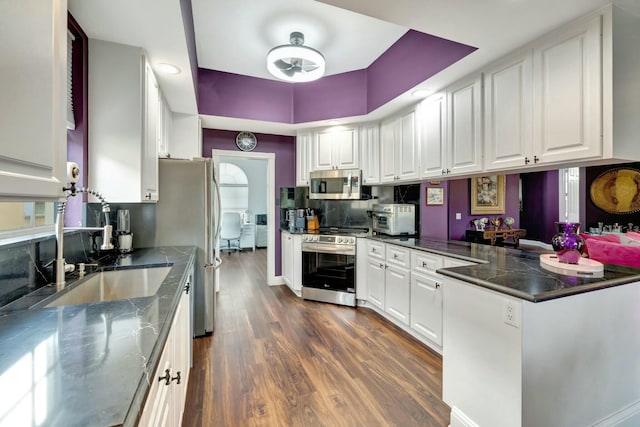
584 268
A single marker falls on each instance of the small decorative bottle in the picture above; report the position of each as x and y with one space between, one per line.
567 242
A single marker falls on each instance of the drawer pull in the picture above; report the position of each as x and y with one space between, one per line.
166 377
424 264
437 285
177 377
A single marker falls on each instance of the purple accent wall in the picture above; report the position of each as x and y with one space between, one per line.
434 219
77 139
540 204
190 35
411 60
348 97
284 149
460 201
234 95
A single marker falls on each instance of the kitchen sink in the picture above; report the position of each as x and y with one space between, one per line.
113 285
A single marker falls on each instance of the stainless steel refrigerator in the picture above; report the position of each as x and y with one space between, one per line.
187 213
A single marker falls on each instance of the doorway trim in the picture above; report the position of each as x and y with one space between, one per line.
271 201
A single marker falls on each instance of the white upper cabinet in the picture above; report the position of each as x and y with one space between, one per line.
370 153
508 112
399 149
568 101
152 138
32 105
186 136
124 131
336 148
464 127
553 102
433 143
304 148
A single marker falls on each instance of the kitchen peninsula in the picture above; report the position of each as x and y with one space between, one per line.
523 346
92 364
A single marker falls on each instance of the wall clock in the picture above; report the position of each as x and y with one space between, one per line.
246 141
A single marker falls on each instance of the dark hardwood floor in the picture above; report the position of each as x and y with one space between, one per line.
276 360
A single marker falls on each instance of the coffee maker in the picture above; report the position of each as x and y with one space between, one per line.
123 231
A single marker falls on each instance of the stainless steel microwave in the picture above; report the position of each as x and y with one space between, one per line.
340 184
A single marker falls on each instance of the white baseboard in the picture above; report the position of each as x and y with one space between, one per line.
276 281
407 329
627 416
459 419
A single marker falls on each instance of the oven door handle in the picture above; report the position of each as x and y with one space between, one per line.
328 249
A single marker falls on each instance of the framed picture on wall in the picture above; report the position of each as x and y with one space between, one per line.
487 194
435 196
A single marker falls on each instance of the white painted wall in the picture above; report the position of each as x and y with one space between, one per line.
256 171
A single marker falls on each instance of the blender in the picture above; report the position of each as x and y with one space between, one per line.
123 231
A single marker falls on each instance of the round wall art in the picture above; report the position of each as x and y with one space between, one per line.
617 191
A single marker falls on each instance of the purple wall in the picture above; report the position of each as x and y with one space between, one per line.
540 204
234 95
284 149
460 201
77 139
433 219
348 97
411 60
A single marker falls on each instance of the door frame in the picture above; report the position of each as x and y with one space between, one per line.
271 200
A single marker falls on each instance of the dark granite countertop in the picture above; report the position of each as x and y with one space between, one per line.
514 272
89 365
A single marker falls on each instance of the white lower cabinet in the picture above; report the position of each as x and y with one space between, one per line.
402 284
398 282
291 250
426 306
375 272
167 395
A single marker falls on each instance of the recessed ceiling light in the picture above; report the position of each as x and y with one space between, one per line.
168 68
421 93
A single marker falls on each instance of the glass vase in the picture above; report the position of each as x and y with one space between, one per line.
567 242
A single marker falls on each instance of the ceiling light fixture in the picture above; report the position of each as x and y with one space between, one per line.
421 93
295 62
168 68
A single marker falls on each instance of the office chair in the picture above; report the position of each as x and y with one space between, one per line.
230 229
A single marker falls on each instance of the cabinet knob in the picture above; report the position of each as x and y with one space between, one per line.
177 377
424 264
526 161
166 377
187 287
381 265
448 171
535 159
437 285
147 196
395 256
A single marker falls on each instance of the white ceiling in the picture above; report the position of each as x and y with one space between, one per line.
235 35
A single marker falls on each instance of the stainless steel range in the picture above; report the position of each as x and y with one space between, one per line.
329 266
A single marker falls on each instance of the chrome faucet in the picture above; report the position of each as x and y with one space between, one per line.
59 264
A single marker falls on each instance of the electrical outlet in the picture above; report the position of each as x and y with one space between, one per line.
458 216
511 314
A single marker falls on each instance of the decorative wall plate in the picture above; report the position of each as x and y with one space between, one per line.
246 141
617 191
